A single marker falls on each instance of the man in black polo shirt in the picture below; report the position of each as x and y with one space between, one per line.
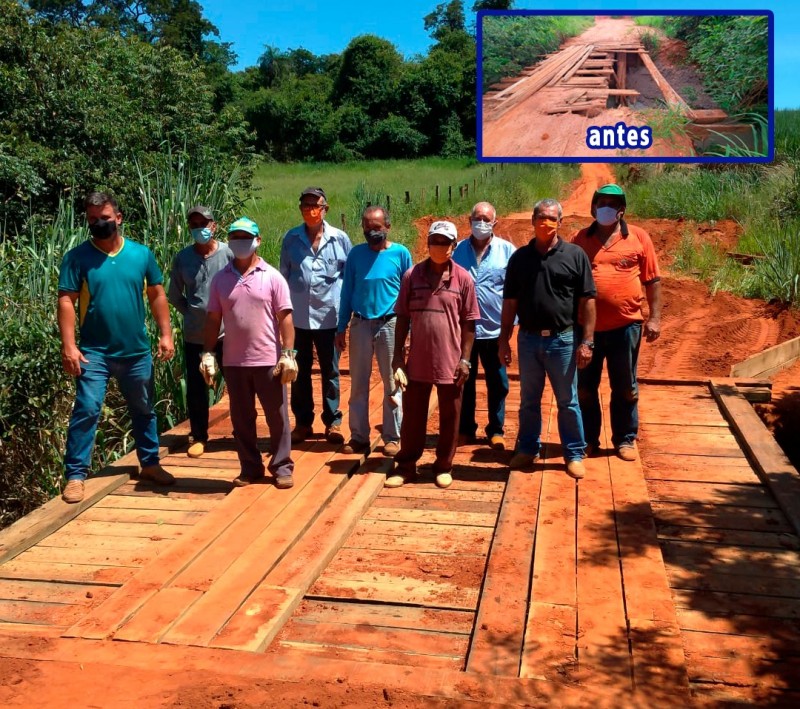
549 286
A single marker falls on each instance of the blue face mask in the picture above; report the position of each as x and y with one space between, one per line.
202 235
243 248
607 215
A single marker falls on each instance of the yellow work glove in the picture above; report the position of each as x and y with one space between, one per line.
286 367
400 379
208 367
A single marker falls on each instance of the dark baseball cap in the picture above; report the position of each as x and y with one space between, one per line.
202 211
315 191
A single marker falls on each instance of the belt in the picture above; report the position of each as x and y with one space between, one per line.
547 333
382 318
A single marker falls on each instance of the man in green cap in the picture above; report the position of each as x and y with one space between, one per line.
623 263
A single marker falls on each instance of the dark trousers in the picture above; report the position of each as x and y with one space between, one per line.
197 389
416 398
620 349
496 389
302 394
244 385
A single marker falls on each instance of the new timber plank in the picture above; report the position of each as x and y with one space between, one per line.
731 537
689 514
152 621
470 519
71 573
39 613
769 460
45 591
376 535
256 623
125 602
711 493
707 579
738 604
73 555
316 652
152 502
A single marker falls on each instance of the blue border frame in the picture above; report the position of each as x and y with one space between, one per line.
769 157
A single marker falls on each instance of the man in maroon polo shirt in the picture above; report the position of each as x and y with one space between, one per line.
437 302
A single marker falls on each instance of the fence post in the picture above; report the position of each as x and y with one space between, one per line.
461 191
344 223
408 197
389 202
466 189
449 193
422 198
474 185
437 194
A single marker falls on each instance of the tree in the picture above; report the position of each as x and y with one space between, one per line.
445 18
368 74
492 5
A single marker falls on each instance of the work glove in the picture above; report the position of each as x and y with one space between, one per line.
208 367
286 367
400 379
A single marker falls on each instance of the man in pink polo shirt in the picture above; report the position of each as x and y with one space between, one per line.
437 302
252 299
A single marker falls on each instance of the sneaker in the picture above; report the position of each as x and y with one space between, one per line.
300 433
243 480
196 449
497 442
391 449
284 482
523 460
575 469
627 452
353 446
394 481
333 434
157 474
73 492
444 480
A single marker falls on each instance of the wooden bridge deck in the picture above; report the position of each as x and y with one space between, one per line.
670 581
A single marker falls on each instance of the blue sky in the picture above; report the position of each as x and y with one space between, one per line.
325 27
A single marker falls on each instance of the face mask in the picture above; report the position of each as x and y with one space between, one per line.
439 253
202 235
243 248
375 236
606 215
103 229
481 230
545 229
312 217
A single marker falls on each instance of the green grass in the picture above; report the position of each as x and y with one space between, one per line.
512 187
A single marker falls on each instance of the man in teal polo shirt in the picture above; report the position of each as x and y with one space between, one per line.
107 276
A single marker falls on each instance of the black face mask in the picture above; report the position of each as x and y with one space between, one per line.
375 237
103 228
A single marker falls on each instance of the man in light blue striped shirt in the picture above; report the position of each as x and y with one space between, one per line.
372 279
312 261
485 255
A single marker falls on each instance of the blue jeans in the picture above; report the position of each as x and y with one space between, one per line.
496 389
302 397
620 349
368 337
554 356
134 376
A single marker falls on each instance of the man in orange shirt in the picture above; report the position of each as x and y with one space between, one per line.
623 261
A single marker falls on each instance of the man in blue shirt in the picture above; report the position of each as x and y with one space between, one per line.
372 278
485 255
107 276
312 262
190 279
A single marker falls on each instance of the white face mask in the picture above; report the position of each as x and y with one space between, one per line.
606 215
243 248
481 230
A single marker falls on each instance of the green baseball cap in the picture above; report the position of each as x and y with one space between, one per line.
610 189
244 224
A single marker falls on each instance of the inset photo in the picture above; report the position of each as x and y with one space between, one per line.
660 87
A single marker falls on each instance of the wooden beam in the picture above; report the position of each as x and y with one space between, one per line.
770 462
671 96
769 361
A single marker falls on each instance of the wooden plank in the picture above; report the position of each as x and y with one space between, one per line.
43 591
97 542
152 502
707 579
732 560
711 493
469 519
129 530
52 515
721 516
153 620
134 558
418 642
122 604
72 573
156 517
671 96
377 535
443 503
317 652
414 491
766 455
724 624
690 444
768 361
256 624
550 651
39 613
387 616
709 535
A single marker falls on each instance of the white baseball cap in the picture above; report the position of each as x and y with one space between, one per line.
444 228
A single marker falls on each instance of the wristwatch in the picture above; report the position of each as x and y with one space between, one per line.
589 344
466 363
